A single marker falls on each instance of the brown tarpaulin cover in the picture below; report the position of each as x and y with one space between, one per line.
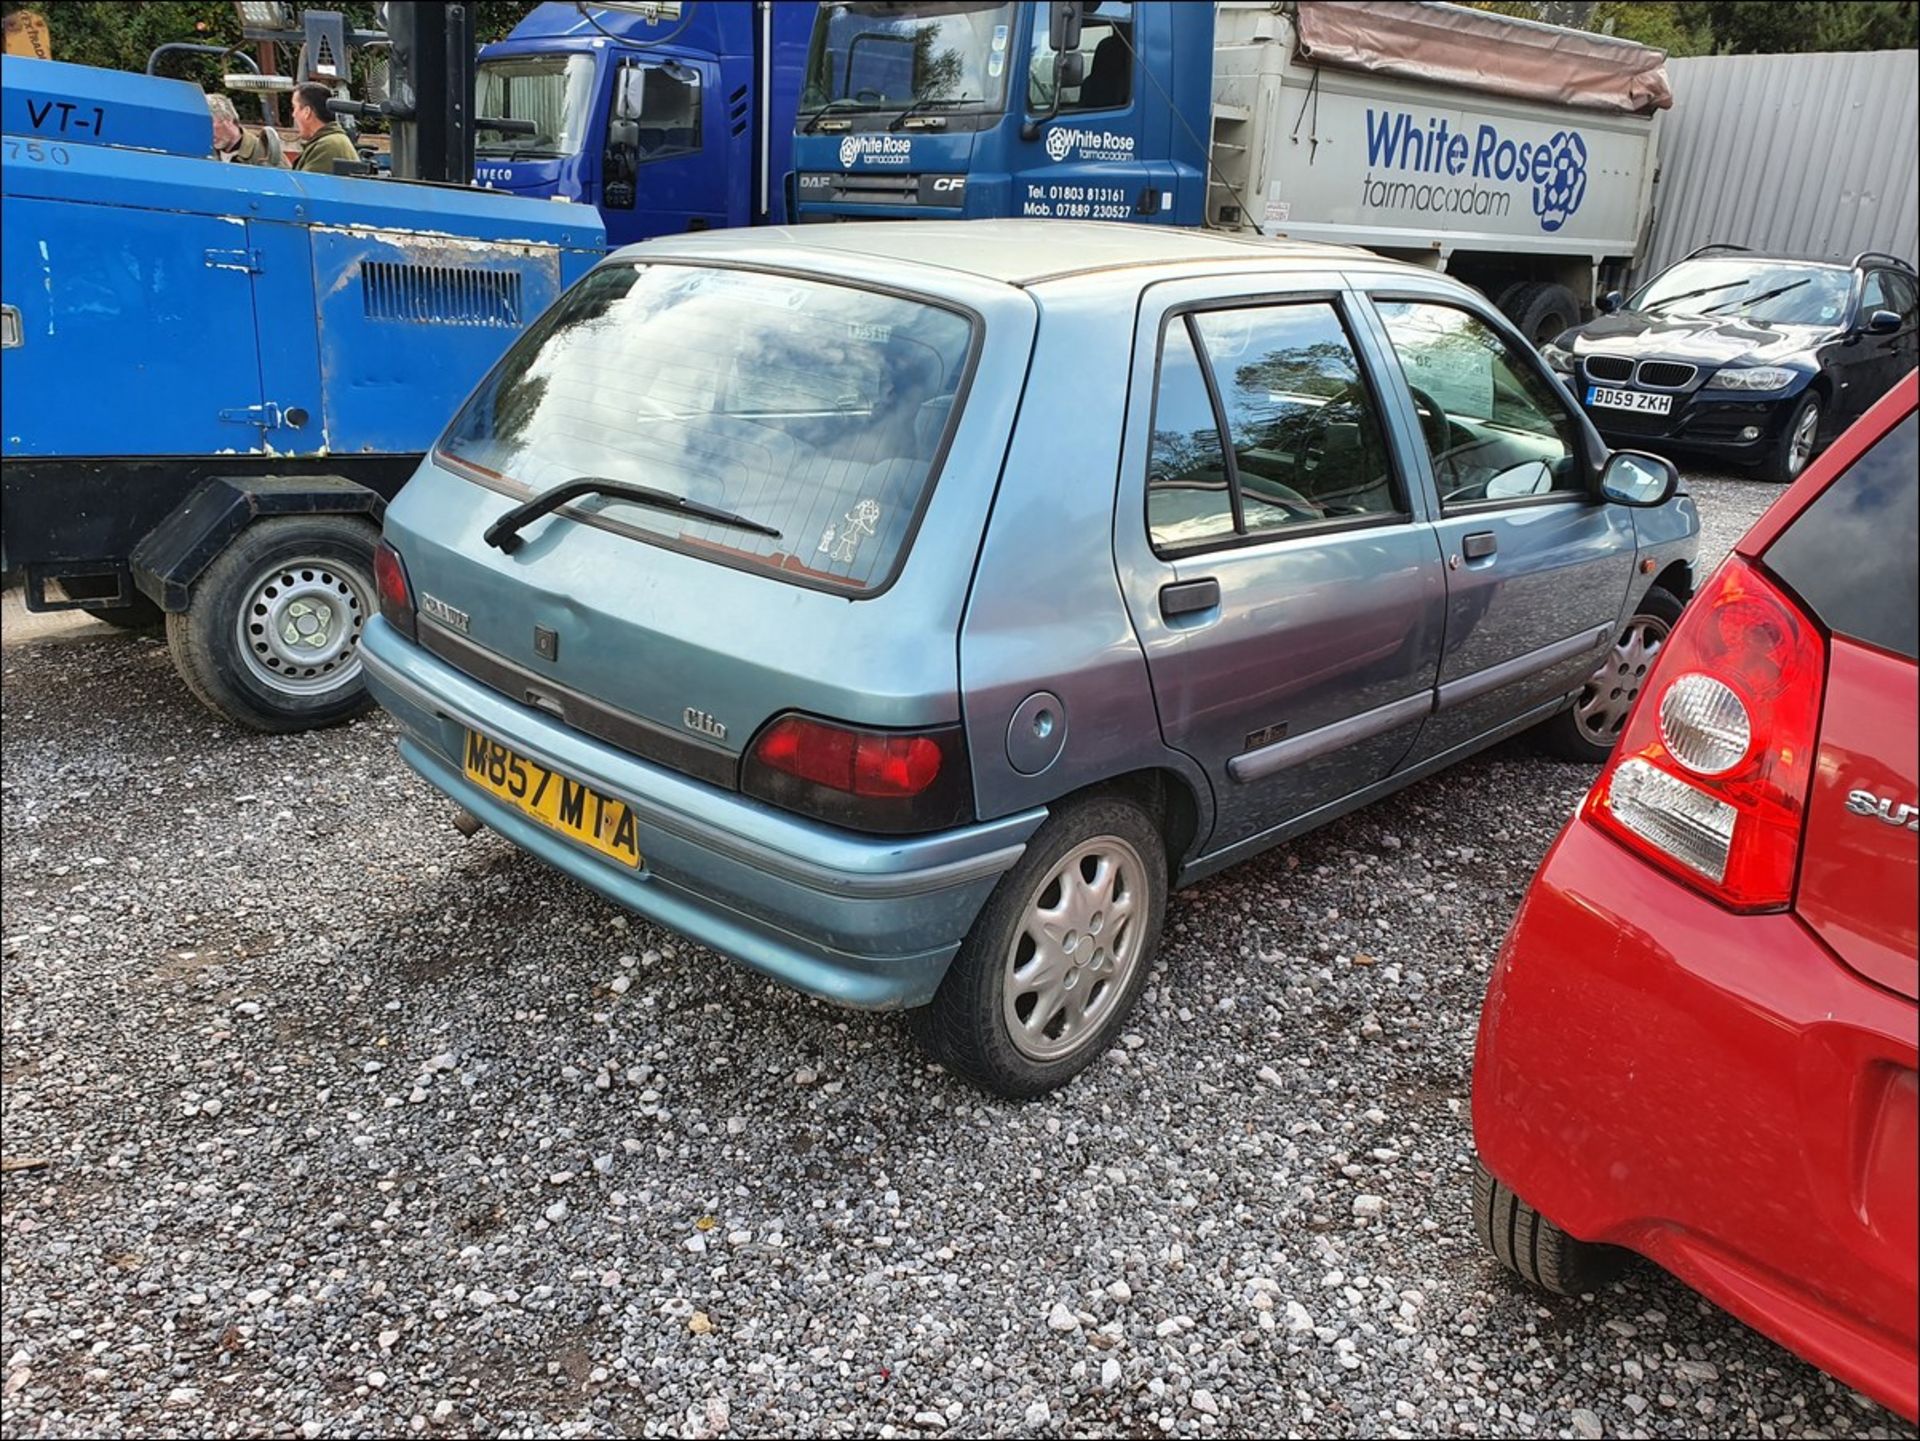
1478 50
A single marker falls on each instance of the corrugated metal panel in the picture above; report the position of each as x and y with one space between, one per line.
1807 154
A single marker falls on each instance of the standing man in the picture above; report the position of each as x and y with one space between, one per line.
234 143
321 140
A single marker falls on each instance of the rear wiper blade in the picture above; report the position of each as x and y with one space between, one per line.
504 533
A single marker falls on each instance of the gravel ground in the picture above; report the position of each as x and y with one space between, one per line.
353 1127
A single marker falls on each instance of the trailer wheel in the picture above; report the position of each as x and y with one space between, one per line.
271 637
1541 310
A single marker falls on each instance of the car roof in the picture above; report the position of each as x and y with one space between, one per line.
1869 261
1014 252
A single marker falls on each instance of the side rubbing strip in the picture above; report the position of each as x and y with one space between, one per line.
1471 687
1257 765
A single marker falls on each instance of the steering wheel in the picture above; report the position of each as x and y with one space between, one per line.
868 97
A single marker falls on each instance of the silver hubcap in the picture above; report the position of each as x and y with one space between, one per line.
1076 949
300 628
1800 448
1609 695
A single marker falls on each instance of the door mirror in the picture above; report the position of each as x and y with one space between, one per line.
630 92
1611 301
1063 26
1632 477
1069 69
1882 322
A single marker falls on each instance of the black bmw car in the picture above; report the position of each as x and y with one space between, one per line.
1755 359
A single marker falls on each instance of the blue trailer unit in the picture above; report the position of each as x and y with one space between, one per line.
193 348
680 121
951 111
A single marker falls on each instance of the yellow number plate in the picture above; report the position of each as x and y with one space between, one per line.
556 801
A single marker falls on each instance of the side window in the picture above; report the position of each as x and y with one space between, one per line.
1901 293
1188 502
1106 53
1888 290
1494 428
666 98
1303 441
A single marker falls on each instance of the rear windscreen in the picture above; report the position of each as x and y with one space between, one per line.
1852 555
815 410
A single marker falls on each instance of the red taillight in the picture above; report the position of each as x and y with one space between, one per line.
861 763
891 781
1711 774
396 596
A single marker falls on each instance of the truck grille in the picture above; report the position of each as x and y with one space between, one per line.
892 188
1609 367
1665 374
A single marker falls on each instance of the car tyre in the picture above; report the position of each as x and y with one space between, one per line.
1798 444
305 672
1586 730
1044 940
139 614
1532 1247
1541 310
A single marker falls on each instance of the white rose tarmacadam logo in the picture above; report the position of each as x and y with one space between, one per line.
875 150
1066 141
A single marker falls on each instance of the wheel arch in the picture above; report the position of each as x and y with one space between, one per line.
172 556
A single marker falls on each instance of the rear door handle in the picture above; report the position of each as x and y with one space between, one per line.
1479 545
1189 597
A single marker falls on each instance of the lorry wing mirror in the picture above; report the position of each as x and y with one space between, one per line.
1063 26
1070 70
631 93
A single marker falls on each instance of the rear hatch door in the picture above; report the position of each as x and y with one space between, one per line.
1850 557
846 420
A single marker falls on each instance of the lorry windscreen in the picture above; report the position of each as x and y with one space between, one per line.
867 56
816 411
555 92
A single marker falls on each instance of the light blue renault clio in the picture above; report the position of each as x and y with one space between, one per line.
903 609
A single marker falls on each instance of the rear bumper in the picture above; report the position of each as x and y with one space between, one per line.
1716 1092
865 922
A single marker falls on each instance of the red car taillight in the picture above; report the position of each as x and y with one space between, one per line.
1710 777
871 780
396 596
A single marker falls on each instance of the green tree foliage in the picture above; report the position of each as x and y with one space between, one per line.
120 36
1732 27
1769 27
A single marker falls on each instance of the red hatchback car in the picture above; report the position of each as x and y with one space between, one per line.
1699 1041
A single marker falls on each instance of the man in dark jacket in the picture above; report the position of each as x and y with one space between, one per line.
322 141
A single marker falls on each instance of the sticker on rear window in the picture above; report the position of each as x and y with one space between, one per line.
842 545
